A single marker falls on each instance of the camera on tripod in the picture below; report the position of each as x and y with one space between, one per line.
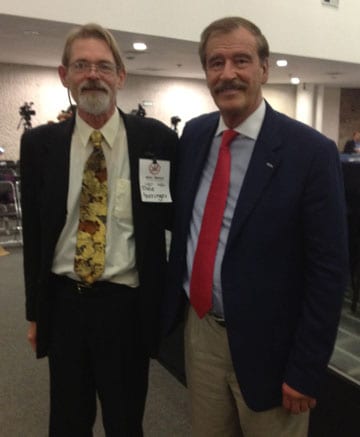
26 112
175 120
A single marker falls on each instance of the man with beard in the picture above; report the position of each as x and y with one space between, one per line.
259 246
94 243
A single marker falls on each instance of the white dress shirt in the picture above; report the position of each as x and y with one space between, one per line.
241 149
120 263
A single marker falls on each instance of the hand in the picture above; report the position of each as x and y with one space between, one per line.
295 402
31 335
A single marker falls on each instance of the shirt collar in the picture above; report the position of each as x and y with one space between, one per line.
109 130
250 127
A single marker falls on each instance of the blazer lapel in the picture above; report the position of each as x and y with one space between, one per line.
134 149
193 161
58 164
56 159
263 164
138 147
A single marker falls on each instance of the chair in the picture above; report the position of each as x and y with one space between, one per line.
10 213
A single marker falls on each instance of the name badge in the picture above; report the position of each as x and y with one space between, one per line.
154 178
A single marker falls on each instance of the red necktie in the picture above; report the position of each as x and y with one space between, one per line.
204 260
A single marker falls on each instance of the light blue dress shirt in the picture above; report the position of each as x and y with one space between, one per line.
241 150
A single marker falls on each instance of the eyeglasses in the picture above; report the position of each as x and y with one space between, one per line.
105 68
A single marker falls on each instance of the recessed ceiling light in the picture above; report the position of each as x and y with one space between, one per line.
140 46
295 80
281 63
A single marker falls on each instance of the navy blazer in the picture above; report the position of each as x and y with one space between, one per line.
349 147
44 157
284 269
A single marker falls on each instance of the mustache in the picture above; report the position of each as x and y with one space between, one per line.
226 85
93 85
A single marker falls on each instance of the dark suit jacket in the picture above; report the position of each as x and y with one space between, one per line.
45 153
285 263
349 147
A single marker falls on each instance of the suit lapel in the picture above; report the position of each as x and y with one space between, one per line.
56 159
134 149
263 165
137 142
58 164
193 161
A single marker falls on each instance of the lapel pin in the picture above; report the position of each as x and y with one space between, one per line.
270 165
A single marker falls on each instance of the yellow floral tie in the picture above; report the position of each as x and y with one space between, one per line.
91 236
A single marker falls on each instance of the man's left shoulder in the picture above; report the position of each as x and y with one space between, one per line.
298 136
300 130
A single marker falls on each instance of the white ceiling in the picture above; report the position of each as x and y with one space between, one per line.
40 42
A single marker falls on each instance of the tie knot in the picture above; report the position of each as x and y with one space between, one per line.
227 136
96 138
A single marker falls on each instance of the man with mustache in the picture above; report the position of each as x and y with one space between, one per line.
94 243
259 247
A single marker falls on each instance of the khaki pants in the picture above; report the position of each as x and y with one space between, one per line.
217 406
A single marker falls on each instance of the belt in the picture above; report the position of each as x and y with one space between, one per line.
99 288
218 319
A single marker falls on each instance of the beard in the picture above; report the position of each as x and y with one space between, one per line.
94 97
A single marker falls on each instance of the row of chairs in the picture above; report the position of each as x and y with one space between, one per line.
10 207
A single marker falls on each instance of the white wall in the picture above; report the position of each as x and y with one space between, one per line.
305 103
331 114
281 97
185 98
305 28
21 84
